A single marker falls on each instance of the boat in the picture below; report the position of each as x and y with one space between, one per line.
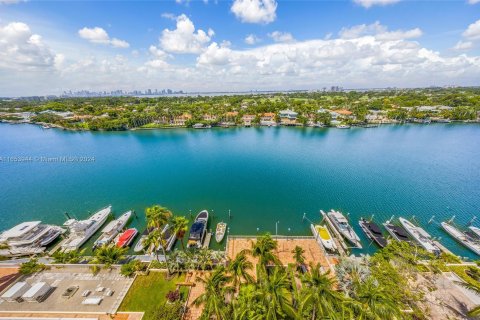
169 237
198 230
343 126
220 231
323 237
112 229
461 237
125 238
342 225
373 232
139 246
420 236
82 230
28 238
474 232
397 232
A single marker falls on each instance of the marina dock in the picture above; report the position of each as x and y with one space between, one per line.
206 242
337 237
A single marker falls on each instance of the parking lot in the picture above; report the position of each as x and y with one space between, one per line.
60 279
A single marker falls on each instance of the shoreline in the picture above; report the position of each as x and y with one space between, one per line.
363 126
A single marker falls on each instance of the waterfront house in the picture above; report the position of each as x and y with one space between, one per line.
180 121
230 116
248 119
345 114
268 119
288 117
209 117
376 116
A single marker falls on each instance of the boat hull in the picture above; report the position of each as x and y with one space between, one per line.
328 244
461 238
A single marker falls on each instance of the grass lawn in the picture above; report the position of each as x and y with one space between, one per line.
148 292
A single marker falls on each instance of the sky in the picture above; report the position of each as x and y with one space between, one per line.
47 47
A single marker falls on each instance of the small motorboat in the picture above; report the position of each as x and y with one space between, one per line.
343 126
198 230
323 237
125 238
372 230
139 246
112 229
220 231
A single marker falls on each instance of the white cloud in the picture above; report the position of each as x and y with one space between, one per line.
473 1
10 1
463 45
184 39
169 16
370 3
278 36
255 11
20 49
252 39
379 31
100 36
473 31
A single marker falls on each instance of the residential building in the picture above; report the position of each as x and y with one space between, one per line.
288 117
268 119
209 117
248 119
181 120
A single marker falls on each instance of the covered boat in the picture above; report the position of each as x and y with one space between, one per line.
373 231
323 237
220 231
140 245
125 238
198 230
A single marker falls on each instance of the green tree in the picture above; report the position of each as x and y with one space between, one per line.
263 249
109 255
239 268
180 227
31 266
72 256
213 298
276 295
298 255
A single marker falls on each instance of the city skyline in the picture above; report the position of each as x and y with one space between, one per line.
47 48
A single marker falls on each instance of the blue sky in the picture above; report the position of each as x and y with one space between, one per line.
200 45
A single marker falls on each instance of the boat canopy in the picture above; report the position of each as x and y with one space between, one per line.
196 230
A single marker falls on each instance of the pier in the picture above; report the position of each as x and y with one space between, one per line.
337 237
206 242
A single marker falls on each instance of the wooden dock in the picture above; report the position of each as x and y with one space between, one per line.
444 249
206 242
337 237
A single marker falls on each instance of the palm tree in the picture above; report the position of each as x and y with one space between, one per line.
298 255
319 294
239 268
373 302
109 255
157 216
72 256
263 250
213 297
249 304
276 295
155 239
180 227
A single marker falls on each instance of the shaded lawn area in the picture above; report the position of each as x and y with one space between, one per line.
149 292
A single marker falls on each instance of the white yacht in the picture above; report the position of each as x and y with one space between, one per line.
342 225
112 229
82 230
420 235
474 231
461 237
28 238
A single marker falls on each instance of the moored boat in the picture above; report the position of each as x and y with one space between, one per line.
82 230
474 231
343 126
420 236
140 245
467 241
323 237
125 238
198 230
397 232
220 231
342 225
112 229
28 238
373 231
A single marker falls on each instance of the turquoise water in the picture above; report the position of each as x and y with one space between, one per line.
262 175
